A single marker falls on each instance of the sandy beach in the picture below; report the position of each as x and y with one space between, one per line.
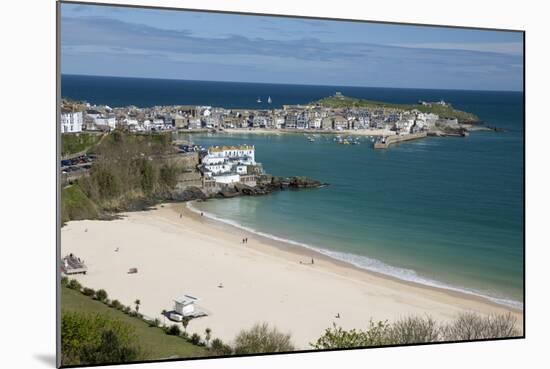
176 252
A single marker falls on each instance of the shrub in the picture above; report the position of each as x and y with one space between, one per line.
471 326
414 330
74 284
467 326
88 291
116 304
377 334
64 281
127 309
261 338
95 339
195 339
101 295
168 176
174 330
219 348
154 323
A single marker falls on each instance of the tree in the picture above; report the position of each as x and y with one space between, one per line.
101 295
260 339
207 335
185 322
163 312
137 302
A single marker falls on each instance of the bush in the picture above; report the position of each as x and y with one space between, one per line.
95 339
195 339
471 326
116 304
260 339
467 326
101 295
64 281
154 323
168 176
88 291
74 284
174 330
219 348
414 330
126 309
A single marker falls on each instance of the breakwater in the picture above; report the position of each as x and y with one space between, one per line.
387 141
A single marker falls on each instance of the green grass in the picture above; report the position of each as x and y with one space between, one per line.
73 143
443 111
75 205
158 345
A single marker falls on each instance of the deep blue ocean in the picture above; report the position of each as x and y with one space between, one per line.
441 211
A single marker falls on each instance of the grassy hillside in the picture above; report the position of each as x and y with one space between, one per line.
158 345
73 143
351 102
75 205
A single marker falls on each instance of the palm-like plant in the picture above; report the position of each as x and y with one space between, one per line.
163 312
207 335
137 302
185 323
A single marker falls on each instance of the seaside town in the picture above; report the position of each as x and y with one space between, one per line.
77 117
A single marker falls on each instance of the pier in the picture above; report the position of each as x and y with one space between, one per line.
388 140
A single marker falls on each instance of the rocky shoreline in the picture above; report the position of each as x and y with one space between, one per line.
265 186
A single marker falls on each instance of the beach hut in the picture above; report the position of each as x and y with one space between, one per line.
185 305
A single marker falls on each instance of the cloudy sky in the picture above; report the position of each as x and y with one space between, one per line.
132 42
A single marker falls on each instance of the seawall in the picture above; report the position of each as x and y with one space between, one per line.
398 138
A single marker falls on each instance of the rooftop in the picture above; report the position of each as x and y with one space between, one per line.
227 148
186 300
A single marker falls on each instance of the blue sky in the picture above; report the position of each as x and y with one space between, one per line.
134 42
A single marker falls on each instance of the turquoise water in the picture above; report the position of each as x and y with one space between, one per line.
441 211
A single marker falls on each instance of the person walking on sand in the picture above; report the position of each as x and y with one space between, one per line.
312 262
181 215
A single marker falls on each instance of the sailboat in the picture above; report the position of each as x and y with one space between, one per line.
259 100
269 100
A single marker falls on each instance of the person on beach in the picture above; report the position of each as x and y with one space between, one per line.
201 214
338 315
312 262
181 215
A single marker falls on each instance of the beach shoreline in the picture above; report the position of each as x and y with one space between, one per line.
311 253
267 280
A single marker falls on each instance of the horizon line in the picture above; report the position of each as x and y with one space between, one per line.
291 84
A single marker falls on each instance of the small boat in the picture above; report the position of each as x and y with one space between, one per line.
269 100
311 139
259 100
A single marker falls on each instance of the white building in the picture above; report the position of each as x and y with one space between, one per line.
105 122
71 122
185 305
226 164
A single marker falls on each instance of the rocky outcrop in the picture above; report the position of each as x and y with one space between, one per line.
267 184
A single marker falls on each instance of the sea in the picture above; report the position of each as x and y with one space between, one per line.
445 212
